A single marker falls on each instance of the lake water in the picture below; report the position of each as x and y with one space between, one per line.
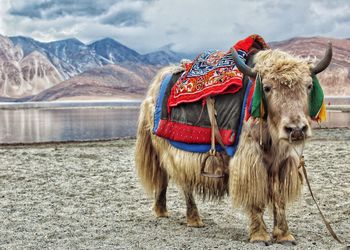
26 125
77 124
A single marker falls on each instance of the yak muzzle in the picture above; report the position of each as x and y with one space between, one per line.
296 133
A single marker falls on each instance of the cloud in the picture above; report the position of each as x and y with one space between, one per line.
189 25
124 18
125 14
51 9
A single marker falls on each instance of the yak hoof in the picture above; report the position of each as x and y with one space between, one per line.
261 238
195 223
161 213
287 240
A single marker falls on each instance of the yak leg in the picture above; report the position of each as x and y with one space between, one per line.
258 232
159 206
281 233
192 214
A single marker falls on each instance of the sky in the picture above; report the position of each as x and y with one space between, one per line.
186 25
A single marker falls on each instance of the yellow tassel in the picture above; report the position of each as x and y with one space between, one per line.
322 114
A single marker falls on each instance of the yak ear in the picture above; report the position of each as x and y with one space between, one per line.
316 98
259 107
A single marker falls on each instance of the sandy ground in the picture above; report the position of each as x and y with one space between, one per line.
86 196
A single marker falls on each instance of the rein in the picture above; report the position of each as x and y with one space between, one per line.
303 167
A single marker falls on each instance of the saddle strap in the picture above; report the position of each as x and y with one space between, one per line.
215 133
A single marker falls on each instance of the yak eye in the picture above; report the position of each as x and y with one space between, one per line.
309 87
267 89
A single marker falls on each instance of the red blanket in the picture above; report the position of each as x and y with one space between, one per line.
211 73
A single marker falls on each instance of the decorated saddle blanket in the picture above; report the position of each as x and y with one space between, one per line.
212 73
181 115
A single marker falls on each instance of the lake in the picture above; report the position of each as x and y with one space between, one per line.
78 121
66 124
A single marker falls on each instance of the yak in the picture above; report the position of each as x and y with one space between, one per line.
264 172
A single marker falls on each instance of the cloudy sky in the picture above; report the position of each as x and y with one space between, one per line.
189 25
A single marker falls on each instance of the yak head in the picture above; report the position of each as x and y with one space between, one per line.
287 84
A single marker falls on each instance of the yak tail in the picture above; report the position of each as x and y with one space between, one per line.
152 176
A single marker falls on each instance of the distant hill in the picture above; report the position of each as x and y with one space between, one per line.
335 79
104 82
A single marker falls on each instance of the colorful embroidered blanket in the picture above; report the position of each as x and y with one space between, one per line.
212 73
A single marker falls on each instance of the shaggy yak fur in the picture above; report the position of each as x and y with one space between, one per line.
258 176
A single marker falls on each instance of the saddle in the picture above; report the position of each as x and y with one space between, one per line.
210 82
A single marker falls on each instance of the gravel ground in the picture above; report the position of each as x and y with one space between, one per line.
86 196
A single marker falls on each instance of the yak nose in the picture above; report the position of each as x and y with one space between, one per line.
296 133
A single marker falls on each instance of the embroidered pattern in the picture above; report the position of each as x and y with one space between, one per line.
211 73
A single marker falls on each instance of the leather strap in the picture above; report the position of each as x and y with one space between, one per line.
215 133
328 225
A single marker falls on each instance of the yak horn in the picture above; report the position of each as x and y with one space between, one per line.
325 61
246 70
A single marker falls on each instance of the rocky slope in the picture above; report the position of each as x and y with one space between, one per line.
103 82
23 75
336 79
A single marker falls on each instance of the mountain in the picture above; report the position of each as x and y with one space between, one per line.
24 74
114 51
33 70
161 58
63 60
76 54
335 79
69 56
104 82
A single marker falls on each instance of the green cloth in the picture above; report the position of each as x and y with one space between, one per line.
257 97
315 98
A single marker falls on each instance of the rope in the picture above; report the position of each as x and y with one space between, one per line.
302 165
328 225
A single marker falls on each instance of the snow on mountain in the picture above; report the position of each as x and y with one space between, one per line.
71 56
75 53
28 45
9 52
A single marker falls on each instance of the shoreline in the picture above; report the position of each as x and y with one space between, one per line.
70 104
319 131
130 103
